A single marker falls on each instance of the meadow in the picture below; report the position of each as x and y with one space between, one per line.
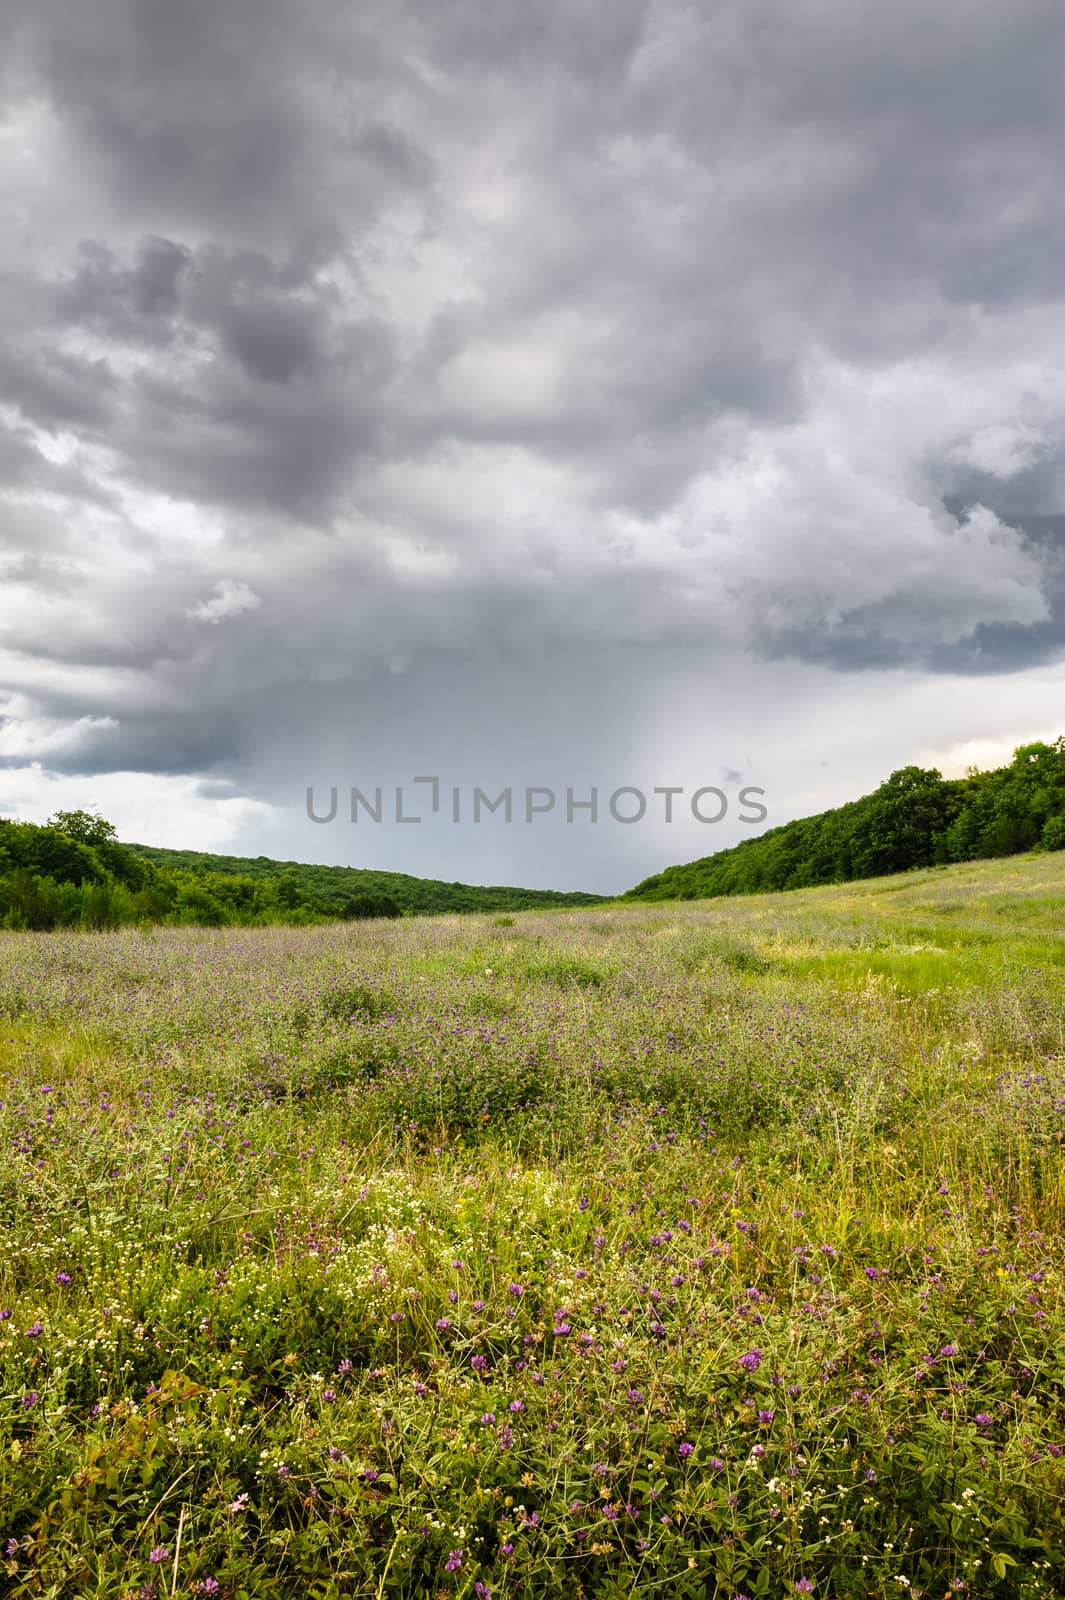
701 1249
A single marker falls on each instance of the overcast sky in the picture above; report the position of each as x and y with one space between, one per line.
568 393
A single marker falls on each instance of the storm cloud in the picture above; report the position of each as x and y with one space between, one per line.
526 373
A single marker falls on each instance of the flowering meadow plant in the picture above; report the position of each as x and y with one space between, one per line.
559 1255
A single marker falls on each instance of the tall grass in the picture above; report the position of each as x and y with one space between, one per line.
708 1250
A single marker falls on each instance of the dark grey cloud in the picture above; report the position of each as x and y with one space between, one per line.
413 345
131 304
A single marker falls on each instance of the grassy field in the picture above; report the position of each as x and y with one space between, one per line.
711 1249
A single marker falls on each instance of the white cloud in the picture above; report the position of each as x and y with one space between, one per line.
230 598
146 808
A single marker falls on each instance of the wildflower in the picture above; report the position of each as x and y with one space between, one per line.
283 1471
685 1449
766 1417
334 1455
35 1330
635 1397
454 1561
63 1278
716 1464
751 1361
344 1368
949 1350
487 1419
516 1405
158 1553
443 1323
240 1503
517 1290
804 1586
478 1363
329 1395
482 1591
208 1586
29 1400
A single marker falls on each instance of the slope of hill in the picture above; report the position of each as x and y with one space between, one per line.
337 885
915 819
73 872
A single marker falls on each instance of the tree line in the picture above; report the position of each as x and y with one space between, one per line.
72 872
916 818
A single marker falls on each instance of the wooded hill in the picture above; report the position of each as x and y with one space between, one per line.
917 818
74 873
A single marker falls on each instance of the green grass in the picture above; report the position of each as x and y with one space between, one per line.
268 1197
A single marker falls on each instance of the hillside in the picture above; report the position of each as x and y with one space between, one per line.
73 872
336 885
916 818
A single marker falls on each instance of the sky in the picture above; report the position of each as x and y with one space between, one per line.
613 394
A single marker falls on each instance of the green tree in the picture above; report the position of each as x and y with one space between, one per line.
87 826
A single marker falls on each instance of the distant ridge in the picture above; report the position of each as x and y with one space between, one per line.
917 818
337 885
74 872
